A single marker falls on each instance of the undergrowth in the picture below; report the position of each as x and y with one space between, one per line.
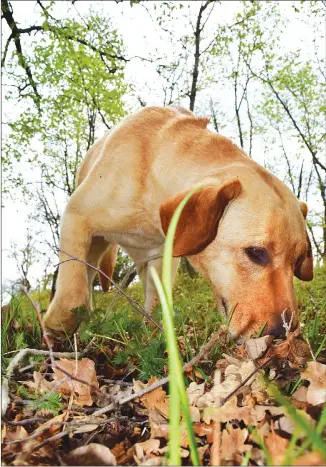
131 342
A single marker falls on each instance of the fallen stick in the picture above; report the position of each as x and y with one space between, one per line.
38 432
259 367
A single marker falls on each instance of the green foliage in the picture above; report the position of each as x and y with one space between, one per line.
19 328
196 318
78 86
121 267
311 298
42 401
78 67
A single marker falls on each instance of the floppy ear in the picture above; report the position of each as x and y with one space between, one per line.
304 268
197 226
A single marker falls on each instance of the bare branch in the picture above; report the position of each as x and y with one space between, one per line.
312 151
15 33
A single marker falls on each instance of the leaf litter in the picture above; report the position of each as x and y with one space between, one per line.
253 428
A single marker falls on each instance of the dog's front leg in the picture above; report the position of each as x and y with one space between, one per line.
72 289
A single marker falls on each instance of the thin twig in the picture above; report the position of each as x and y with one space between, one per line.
27 421
243 383
49 440
76 353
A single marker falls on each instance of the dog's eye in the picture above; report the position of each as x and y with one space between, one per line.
258 255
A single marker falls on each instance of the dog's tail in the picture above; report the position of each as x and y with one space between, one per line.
107 265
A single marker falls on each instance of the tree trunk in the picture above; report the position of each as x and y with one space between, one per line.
193 91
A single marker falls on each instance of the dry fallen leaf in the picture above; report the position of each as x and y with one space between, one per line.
260 411
311 458
222 390
85 371
233 441
194 391
39 384
256 348
89 423
201 452
158 425
259 388
92 454
202 429
123 453
300 394
43 432
143 450
195 414
316 375
154 400
230 411
184 453
286 423
294 349
15 433
111 393
276 446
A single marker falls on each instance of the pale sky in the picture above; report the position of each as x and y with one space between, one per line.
141 37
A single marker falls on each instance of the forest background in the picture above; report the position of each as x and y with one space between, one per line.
72 70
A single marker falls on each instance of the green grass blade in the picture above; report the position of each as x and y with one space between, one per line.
174 406
177 386
176 376
261 330
320 348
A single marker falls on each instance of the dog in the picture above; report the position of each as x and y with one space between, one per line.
244 230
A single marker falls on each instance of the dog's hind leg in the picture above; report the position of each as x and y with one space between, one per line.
144 261
107 265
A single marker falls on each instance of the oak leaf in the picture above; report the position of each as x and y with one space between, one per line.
154 400
276 446
83 369
233 441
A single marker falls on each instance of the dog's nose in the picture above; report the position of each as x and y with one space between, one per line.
283 323
277 331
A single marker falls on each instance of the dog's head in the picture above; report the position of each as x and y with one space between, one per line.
248 236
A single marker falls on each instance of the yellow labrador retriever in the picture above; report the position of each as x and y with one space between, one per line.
244 230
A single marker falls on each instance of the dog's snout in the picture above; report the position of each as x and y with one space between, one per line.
283 324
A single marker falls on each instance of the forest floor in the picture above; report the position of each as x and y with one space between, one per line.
259 403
